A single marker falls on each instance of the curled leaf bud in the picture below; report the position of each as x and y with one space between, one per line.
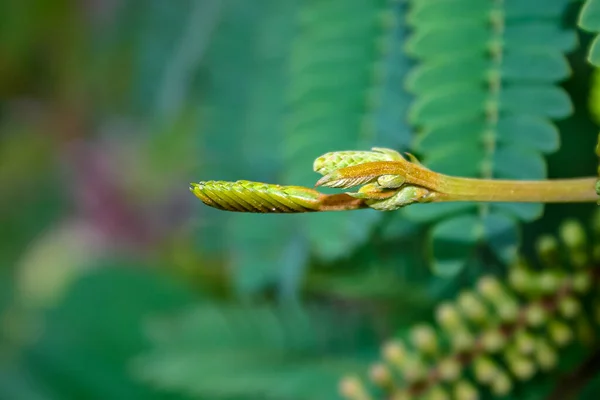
329 162
424 339
569 307
464 390
560 333
449 369
256 197
402 198
472 307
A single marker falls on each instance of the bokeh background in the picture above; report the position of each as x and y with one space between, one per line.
116 283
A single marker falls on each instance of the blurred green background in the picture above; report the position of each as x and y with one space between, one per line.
116 283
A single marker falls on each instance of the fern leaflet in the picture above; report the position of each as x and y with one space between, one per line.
482 64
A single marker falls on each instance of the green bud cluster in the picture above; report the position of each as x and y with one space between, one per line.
499 333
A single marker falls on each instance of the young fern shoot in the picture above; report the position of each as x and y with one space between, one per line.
387 181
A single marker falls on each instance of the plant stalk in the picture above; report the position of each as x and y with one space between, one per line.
578 190
452 188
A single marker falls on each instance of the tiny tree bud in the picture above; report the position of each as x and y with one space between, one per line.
401 395
449 369
380 375
437 393
520 280
536 315
560 333
394 352
448 317
545 355
548 250
521 367
508 309
472 307
464 390
490 288
414 369
548 282
572 234
581 281
501 385
352 388
462 340
585 331
424 339
524 342
569 307
574 237
485 369
493 340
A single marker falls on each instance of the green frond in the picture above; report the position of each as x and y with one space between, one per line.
345 93
499 334
485 88
232 351
589 19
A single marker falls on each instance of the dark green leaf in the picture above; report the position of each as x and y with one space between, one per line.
453 242
589 16
549 101
458 160
450 12
502 235
594 53
517 163
528 132
535 8
434 211
524 211
448 107
232 351
534 66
